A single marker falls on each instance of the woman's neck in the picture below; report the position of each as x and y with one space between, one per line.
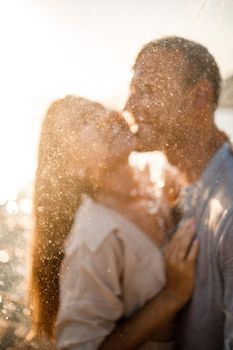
135 210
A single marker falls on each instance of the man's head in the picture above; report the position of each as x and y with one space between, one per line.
174 91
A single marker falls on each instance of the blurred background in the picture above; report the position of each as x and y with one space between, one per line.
53 48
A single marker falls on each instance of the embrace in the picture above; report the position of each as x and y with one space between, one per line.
107 272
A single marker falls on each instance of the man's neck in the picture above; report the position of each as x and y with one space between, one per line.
193 157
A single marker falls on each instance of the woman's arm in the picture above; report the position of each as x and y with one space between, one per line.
158 313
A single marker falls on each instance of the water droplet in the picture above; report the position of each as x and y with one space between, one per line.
26 205
12 207
4 256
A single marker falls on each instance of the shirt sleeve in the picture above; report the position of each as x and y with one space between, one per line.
226 266
90 289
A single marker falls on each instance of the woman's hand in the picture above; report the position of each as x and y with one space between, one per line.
180 257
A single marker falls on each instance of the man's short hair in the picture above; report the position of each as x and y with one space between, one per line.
201 65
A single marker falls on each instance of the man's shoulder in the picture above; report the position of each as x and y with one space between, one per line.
225 167
231 147
220 167
213 192
225 152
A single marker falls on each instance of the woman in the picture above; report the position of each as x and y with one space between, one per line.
80 189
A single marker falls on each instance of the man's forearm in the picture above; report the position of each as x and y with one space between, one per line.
144 324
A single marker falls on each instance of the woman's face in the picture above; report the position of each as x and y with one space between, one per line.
119 179
103 146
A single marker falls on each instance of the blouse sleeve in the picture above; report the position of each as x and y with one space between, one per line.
90 295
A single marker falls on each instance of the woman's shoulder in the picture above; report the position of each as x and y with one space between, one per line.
93 223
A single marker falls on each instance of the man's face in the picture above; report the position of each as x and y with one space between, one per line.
157 98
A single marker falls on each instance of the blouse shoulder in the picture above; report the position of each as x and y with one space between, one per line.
93 223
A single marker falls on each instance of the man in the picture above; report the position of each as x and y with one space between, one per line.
174 94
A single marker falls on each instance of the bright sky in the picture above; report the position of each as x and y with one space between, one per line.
50 48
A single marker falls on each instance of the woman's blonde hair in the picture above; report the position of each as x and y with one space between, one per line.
57 195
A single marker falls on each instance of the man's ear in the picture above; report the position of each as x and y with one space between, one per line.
202 95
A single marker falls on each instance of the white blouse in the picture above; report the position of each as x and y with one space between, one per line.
110 270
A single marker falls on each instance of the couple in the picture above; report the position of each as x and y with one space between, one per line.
99 279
